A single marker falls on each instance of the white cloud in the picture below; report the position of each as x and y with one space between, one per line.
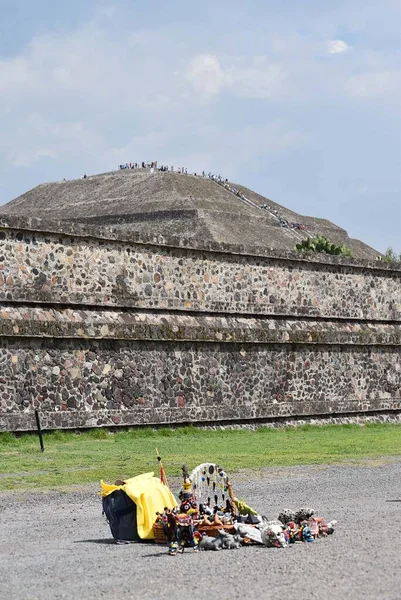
212 147
149 143
205 74
250 77
258 79
39 137
253 144
66 96
107 11
79 95
84 68
375 83
337 47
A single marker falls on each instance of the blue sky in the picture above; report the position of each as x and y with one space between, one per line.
299 101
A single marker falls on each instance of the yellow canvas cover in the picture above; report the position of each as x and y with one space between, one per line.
150 496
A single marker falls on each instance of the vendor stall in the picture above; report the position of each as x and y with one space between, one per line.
208 515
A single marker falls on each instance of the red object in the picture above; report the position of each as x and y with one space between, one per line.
163 477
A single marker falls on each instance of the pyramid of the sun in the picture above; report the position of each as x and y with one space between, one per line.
141 298
173 204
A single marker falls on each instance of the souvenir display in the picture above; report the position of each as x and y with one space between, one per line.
207 516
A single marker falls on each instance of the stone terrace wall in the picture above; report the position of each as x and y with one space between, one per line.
91 383
57 269
99 331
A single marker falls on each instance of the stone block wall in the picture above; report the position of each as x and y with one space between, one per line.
81 384
35 267
100 331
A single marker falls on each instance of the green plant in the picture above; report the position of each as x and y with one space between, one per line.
7 439
392 256
320 243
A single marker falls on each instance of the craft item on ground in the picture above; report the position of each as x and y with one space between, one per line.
306 532
230 542
314 526
303 514
272 535
185 533
179 531
218 542
181 528
286 516
188 500
253 520
326 528
211 487
149 495
223 541
217 521
213 491
209 543
206 521
291 532
213 530
244 508
304 529
248 531
302 533
165 526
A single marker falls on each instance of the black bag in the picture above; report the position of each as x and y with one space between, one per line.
120 513
252 519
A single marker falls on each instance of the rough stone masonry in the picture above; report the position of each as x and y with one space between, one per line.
100 328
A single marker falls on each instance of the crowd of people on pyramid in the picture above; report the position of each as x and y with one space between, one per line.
153 165
282 220
143 165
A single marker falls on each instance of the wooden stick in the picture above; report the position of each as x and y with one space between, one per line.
232 497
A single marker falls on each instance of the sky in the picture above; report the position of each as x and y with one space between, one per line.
299 101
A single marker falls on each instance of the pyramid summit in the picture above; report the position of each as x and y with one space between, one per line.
151 202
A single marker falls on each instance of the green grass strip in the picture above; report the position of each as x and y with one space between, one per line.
79 458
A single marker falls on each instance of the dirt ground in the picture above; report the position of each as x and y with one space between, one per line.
57 544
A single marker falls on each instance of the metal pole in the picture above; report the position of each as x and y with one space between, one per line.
42 446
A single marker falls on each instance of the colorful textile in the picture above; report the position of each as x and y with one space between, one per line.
150 496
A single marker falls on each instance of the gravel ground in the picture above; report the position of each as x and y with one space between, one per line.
57 545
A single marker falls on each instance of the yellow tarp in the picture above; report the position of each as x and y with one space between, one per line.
150 496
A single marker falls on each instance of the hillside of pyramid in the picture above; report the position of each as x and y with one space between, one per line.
153 202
